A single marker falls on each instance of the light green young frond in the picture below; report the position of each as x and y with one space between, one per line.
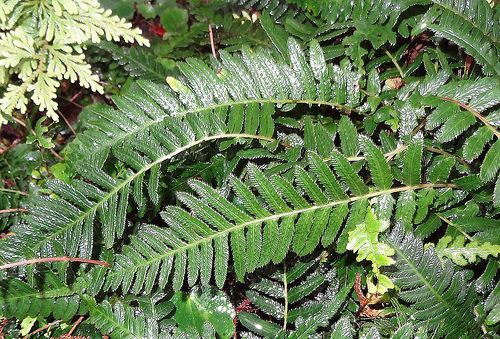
16 46
73 67
364 241
53 50
13 98
44 94
4 74
6 7
463 254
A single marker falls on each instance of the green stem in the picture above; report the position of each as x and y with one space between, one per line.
12 191
451 223
394 61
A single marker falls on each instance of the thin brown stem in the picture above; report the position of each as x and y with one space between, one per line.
457 227
43 328
440 151
67 122
212 43
55 259
485 121
13 210
75 325
19 121
54 153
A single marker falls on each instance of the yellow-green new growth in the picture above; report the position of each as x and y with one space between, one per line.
364 241
42 43
464 254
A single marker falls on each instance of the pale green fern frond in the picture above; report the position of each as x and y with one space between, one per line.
463 254
53 51
364 241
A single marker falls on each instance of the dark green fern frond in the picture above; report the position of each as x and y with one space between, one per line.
286 302
120 320
471 24
153 124
463 108
302 299
259 223
48 297
443 299
137 61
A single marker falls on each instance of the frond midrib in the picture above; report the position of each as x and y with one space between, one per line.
64 291
275 217
135 175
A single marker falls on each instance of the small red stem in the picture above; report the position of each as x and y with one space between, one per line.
212 43
68 335
11 210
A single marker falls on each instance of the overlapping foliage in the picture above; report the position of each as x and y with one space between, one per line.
262 184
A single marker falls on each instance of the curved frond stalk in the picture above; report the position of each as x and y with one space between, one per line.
197 242
84 202
443 299
475 97
57 259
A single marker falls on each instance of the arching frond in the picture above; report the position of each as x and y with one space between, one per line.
151 125
259 224
471 24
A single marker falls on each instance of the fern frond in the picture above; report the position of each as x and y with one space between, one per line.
152 125
119 320
443 298
136 61
412 162
464 254
197 242
364 241
51 297
379 168
471 24
291 296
